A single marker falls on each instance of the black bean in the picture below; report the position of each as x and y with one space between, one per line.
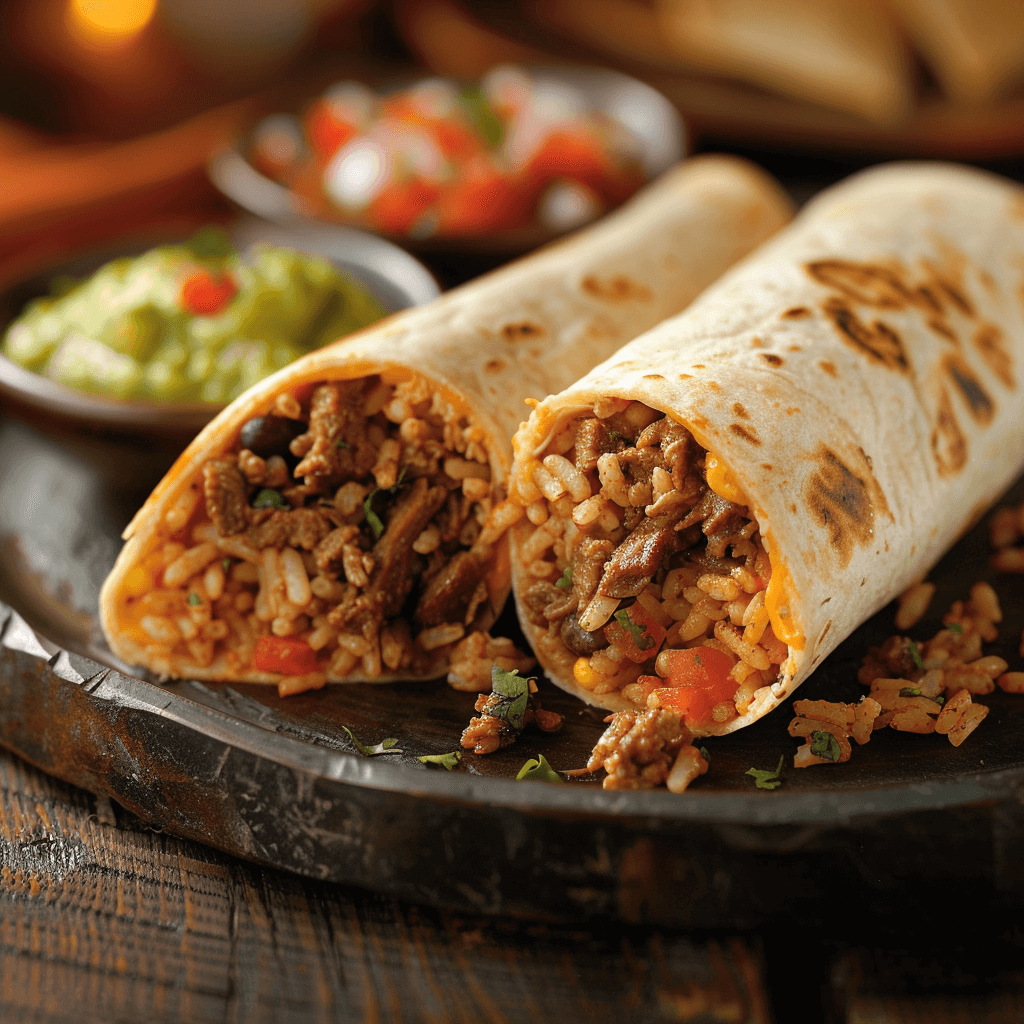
269 435
578 640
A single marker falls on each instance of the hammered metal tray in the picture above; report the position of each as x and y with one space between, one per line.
281 782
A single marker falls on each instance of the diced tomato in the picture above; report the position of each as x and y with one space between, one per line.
480 200
283 654
327 132
400 204
698 678
205 293
570 152
457 140
650 632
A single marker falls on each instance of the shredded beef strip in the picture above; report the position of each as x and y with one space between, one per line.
446 597
635 561
226 494
293 528
393 574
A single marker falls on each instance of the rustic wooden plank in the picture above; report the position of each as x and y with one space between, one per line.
102 919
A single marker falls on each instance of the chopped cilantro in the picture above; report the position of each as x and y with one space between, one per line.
910 691
916 655
537 769
342 443
615 435
955 627
704 753
396 486
514 691
636 630
565 581
225 564
371 517
448 761
194 599
825 745
765 779
387 746
940 700
269 498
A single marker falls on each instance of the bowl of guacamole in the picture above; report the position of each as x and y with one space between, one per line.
201 320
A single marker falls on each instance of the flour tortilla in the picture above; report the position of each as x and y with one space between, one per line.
859 377
519 333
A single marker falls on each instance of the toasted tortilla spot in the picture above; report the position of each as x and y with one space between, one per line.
959 299
949 446
822 634
941 328
868 283
988 340
494 365
767 467
522 331
829 368
698 366
796 313
616 289
928 296
653 376
840 502
747 433
988 282
756 343
981 407
737 408
771 358
713 385
878 342
686 376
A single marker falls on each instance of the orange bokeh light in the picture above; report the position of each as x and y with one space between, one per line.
109 21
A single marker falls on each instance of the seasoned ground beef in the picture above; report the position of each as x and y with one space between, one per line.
361 532
633 553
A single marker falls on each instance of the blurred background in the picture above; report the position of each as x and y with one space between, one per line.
116 106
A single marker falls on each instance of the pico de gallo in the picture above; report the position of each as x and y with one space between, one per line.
192 322
445 160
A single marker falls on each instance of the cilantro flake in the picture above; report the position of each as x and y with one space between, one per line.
371 517
704 753
225 564
636 630
194 599
269 498
388 746
955 627
616 435
910 691
825 745
448 761
940 700
916 655
765 779
342 443
537 769
514 691
565 581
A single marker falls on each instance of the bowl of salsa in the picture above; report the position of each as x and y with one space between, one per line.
502 164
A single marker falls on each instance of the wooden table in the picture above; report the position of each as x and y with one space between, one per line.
103 919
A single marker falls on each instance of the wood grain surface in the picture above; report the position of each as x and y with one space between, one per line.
104 920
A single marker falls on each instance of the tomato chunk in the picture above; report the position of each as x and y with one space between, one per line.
641 638
327 132
205 293
283 654
698 678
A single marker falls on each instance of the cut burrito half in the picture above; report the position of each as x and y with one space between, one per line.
713 509
344 519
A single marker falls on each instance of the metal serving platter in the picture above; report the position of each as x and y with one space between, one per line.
280 782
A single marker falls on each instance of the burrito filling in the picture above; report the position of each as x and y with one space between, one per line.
351 529
651 579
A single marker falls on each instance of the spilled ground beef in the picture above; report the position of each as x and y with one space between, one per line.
633 556
349 531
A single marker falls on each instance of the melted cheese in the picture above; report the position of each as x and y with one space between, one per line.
721 481
778 600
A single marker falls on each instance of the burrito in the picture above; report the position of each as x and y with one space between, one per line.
715 507
344 519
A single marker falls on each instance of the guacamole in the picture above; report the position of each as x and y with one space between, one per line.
192 322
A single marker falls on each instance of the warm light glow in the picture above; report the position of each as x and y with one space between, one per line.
109 20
